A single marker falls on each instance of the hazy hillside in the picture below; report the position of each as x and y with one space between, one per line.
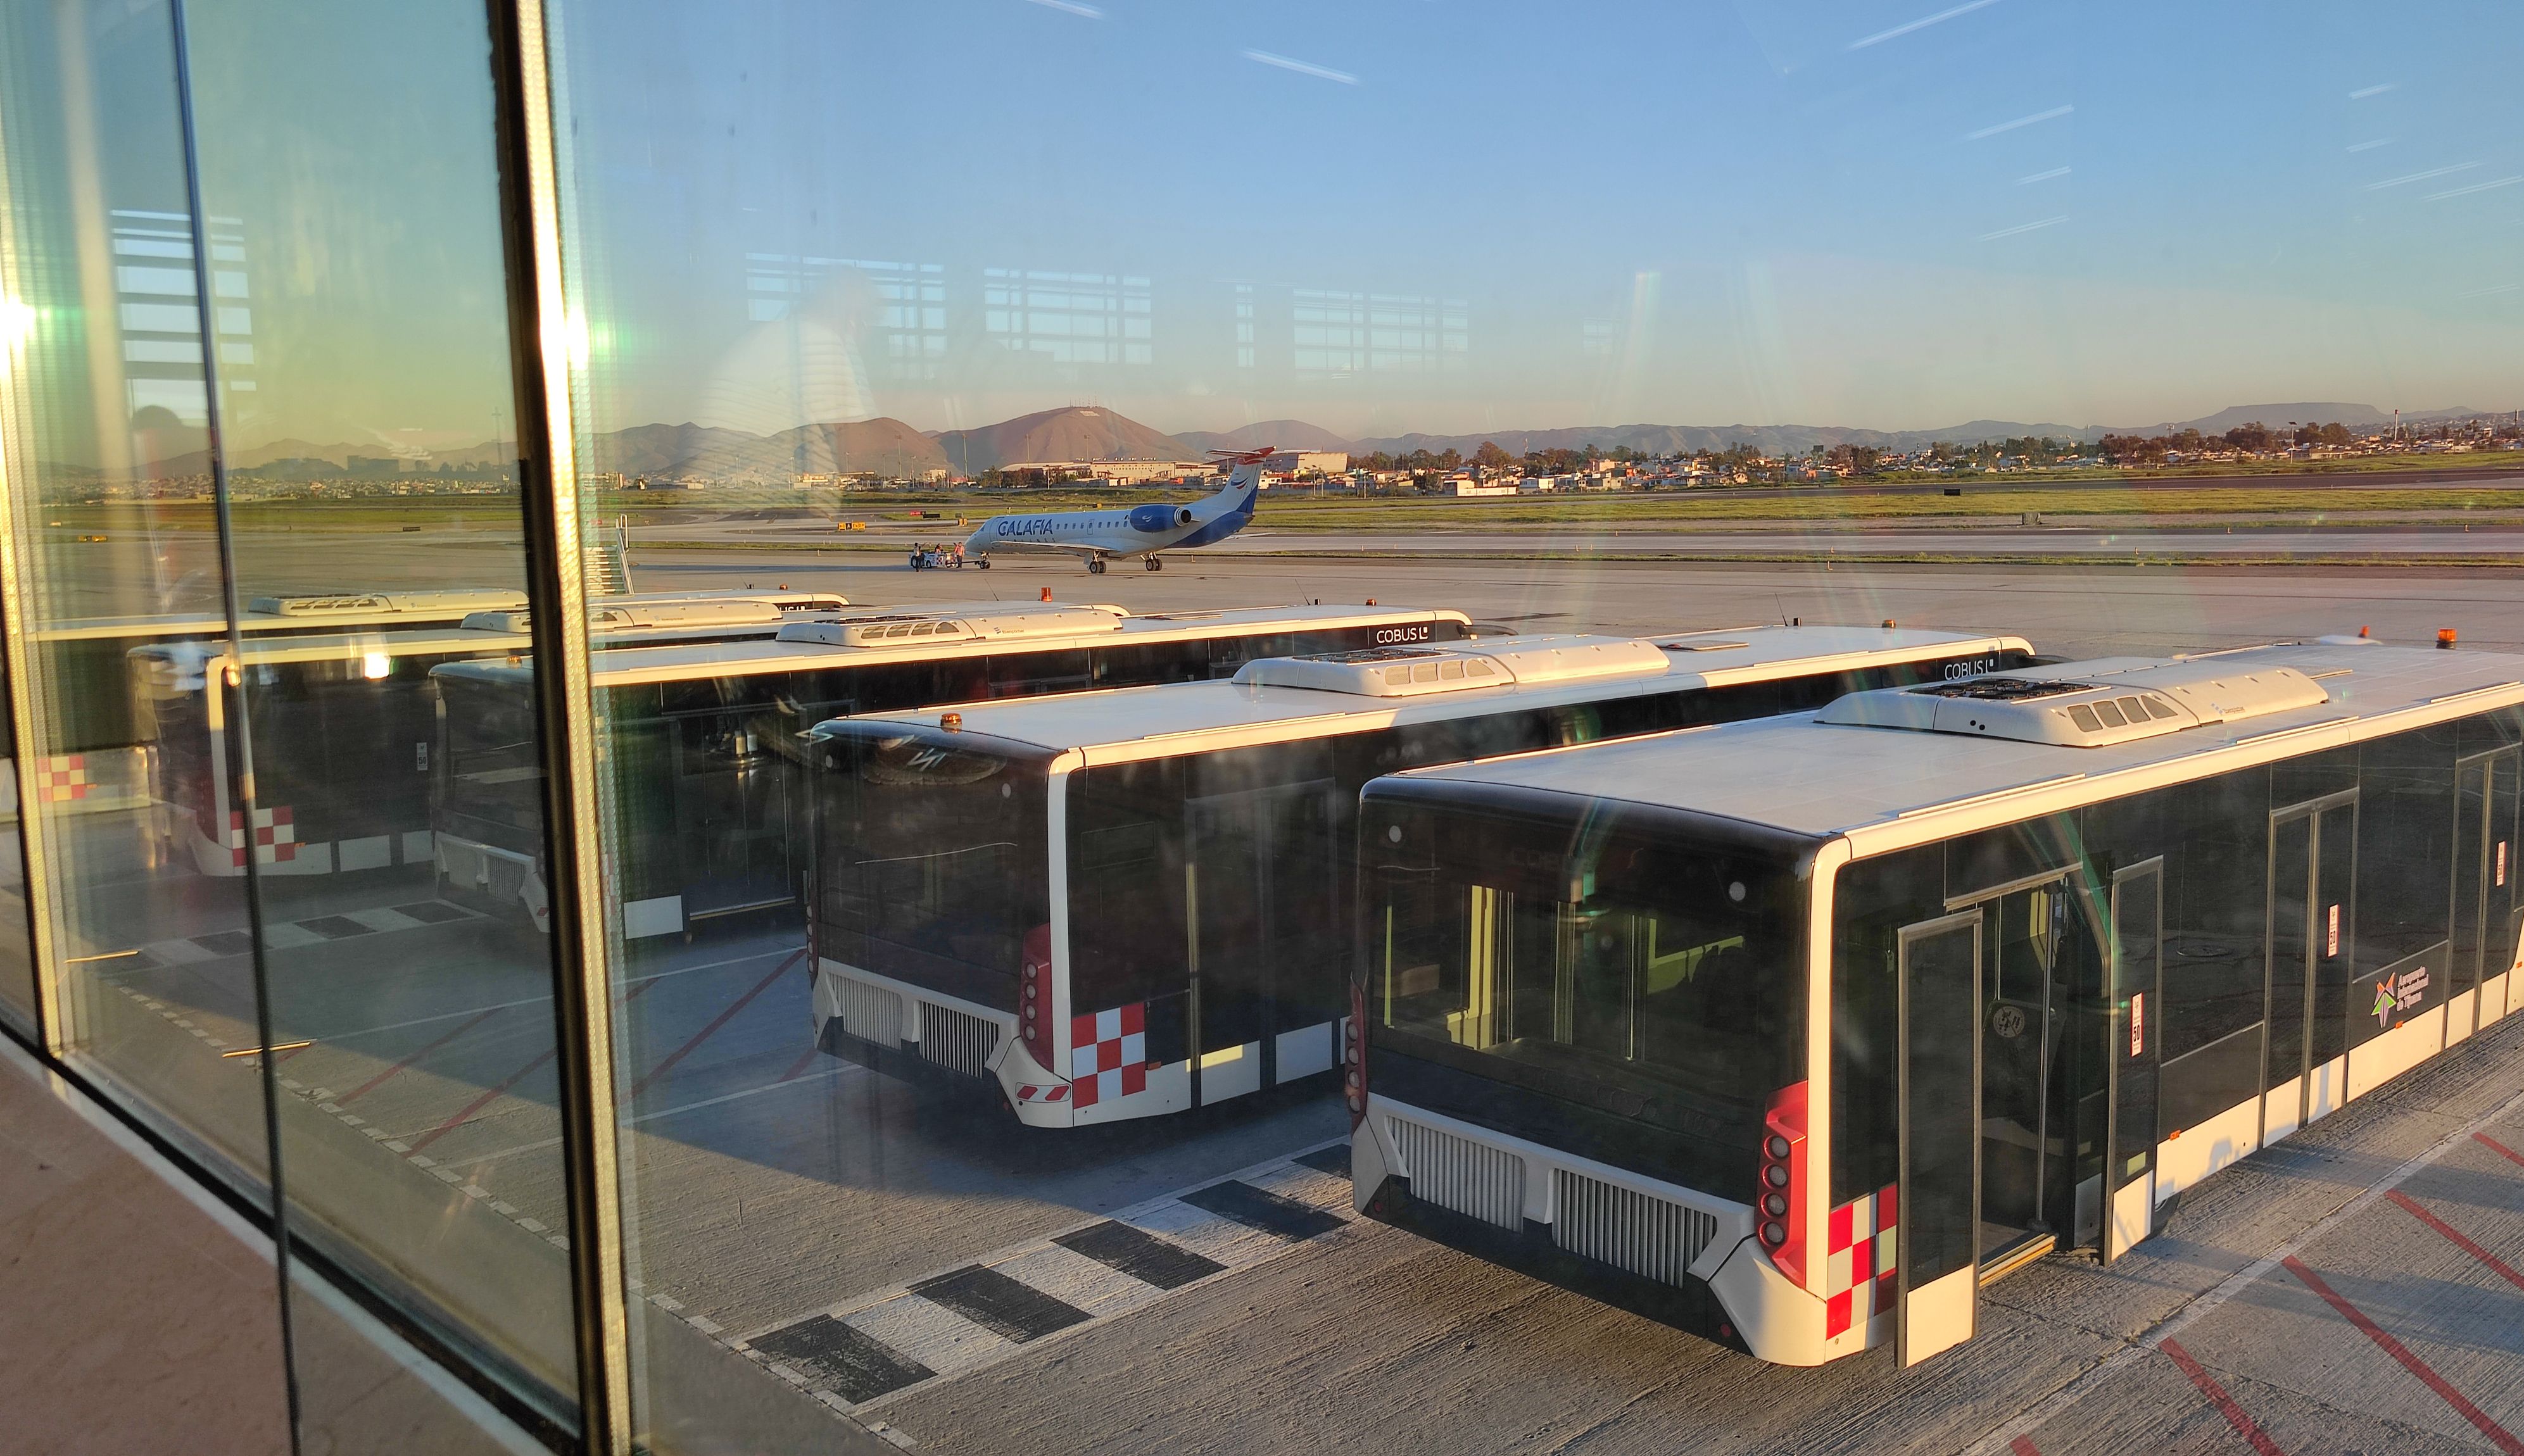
1076 433
2355 416
890 447
887 447
1279 434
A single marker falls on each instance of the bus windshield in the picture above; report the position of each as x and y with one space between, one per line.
930 856
1635 961
492 786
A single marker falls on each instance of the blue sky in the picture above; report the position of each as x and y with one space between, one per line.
1388 216
1857 213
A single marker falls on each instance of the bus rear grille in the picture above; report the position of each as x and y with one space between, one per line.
1457 1173
1647 1235
956 1042
870 1013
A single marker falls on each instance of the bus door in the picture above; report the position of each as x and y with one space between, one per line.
2484 878
2030 935
1937 1213
1260 903
2313 870
2137 1007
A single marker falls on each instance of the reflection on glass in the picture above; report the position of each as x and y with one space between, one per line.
364 381
819 280
150 970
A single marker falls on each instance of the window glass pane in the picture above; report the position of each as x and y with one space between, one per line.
829 316
364 379
121 601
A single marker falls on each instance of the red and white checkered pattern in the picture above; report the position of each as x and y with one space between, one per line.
275 838
61 780
1108 1055
1858 1271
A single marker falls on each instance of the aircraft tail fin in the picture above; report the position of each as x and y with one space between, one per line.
1244 472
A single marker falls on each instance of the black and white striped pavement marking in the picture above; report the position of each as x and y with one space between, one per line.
959 1319
316 930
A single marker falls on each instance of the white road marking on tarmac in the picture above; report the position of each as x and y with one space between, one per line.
750 1091
1076 1280
918 1329
936 1336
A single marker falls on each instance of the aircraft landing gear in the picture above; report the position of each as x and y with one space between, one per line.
1155 566
1095 567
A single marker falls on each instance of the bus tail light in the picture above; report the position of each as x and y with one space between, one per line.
1034 995
1779 1205
1355 1057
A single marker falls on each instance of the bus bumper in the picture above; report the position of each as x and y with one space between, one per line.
915 1035
1657 1249
507 879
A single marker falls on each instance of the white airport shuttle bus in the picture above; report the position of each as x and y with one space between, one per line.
702 740
1124 905
345 724
1100 535
1797 1033
99 741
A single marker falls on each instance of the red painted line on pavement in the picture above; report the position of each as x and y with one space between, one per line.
2507 1152
2244 1425
800 1065
2022 1447
373 1083
2504 1439
477 1104
484 1100
2453 1234
720 1020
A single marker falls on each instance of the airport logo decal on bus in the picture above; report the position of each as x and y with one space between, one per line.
2399 993
1108 1054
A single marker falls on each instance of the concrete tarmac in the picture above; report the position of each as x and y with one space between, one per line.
770 1183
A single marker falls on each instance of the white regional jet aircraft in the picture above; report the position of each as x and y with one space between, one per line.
1140 531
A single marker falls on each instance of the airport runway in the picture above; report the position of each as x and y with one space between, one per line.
2077 608
1965 542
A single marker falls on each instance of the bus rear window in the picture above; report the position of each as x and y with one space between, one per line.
494 772
929 857
1631 962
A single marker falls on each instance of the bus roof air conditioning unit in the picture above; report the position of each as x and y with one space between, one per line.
2090 710
1415 671
455 603
902 628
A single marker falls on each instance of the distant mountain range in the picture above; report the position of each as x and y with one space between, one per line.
1076 433
886 447
1084 433
1279 434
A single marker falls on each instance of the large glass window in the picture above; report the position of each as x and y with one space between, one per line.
265 468
366 434
148 978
